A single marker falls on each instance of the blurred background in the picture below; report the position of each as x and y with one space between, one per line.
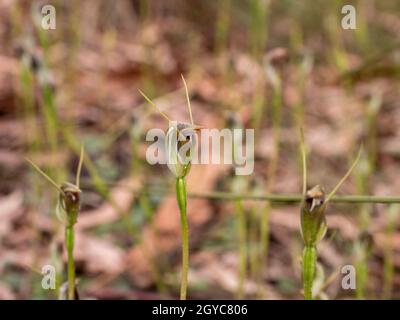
274 66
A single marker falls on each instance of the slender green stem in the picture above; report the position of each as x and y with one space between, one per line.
69 242
336 188
48 104
222 25
309 267
182 198
361 277
242 248
188 100
154 105
388 262
272 197
303 154
264 231
76 147
144 10
271 174
254 243
258 28
53 183
287 198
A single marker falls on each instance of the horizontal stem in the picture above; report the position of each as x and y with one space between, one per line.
284 198
292 197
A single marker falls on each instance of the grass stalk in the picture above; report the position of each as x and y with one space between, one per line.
285 198
361 276
366 169
144 203
222 26
254 243
48 98
258 26
273 197
388 257
242 231
275 81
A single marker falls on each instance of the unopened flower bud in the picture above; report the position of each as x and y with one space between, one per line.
313 222
179 144
68 204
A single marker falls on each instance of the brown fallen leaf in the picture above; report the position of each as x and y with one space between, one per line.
346 226
8 76
220 270
121 195
23 258
10 210
10 158
99 255
6 293
329 254
382 241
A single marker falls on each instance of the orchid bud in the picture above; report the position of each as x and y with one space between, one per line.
313 222
68 204
180 142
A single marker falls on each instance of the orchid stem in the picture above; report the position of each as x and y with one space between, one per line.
309 267
69 243
182 200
